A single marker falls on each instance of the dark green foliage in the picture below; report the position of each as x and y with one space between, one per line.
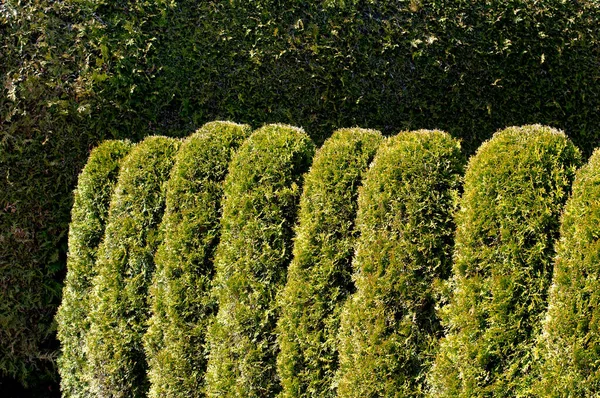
319 277
125 265
74 72
514 192
390 326
570 342
88 219
262 191
180 297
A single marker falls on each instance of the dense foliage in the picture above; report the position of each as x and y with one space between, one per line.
262 191
319 277
514 191
124 266
390 326
570 343
77 71
88 220
181 304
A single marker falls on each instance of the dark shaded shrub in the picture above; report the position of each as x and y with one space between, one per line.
319 276
181 303
88 220
389 326
570 343
262 191
124 266
514 192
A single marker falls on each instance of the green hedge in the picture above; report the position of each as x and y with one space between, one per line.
319 277
514 192
390 326
88 219
181 304
125 265
262 191
74 72
570 340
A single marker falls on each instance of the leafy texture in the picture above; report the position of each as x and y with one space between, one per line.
90 212
74 72
181 301
570 343
514 192
125 264
319 277
262 191
390 327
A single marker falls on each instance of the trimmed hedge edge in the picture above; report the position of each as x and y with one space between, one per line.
88 219
319 277
390 326
181 302
125 265
262 191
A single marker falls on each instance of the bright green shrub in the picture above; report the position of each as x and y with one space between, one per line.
514 191
262 191
319 276
389 326
570 342
74 72
124 265
180 296
89 215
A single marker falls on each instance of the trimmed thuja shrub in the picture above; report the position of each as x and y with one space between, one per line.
319 277
125 265
180 295
88 219
570 342
262 191
389 326
515 188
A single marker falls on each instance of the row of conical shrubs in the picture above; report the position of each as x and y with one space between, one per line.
234 264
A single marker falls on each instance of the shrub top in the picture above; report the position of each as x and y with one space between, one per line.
569 343
515 188
181 303
390 325
319 277
259 209
125 266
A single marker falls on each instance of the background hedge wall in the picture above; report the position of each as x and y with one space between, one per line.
570 342
181 300
124 267
95 188
514 191
78 71
390 326
262 191
319 277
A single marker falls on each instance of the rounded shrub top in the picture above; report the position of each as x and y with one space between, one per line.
319 277
389 327
261 195
88 219
180 296
125 266
515 188
570 342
